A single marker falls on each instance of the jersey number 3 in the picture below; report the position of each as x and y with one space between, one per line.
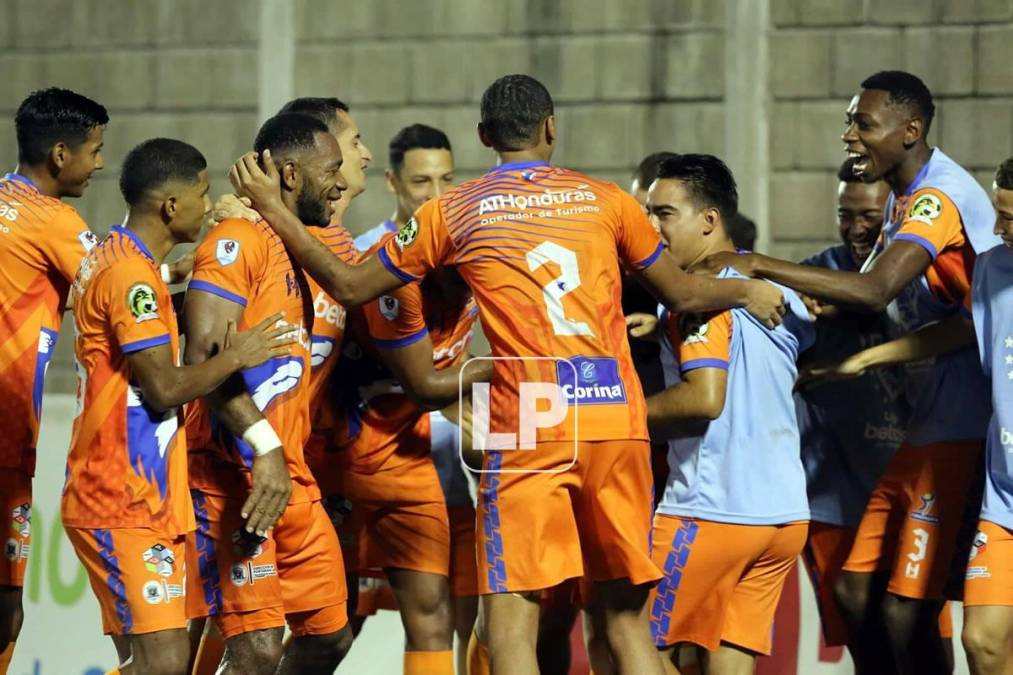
553 292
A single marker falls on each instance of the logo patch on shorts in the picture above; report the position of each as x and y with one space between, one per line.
226 252
597 380
153 592
247 573
408 233
159 559
389 307
926 209
21 520
142 303
979 545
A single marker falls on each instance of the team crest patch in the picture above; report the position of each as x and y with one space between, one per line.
227 251
153 592
158 559
926 209
389 307
88 240
693 328
21 520
408 233
142 303
979 545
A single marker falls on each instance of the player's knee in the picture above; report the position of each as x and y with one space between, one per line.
322 653
851 598
12 614
901 616
165 662
983 642
258 655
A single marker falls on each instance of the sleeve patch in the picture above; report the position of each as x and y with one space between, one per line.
408 233
88 239
226 252
926 209
142 303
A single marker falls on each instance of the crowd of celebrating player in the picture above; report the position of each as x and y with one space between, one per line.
313 441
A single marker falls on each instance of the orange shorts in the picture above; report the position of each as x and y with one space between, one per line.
296 574
826 549
914 518
137 575
722 581
402 513
463 561
16 509
591 519
990 569
375 594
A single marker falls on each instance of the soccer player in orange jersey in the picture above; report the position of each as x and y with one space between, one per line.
126 504
546 279
248 437
42 242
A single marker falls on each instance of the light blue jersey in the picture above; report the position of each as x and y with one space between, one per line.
366 240
743 467
992 296
849 429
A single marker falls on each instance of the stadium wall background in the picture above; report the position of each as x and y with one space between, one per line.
762 83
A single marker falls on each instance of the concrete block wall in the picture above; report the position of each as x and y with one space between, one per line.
629 78
820 52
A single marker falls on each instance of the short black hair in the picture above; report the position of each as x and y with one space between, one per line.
1004 175
288 131
416 136
708 179
647 171
905 89
742 231
324 109
50 116
513 108
155 162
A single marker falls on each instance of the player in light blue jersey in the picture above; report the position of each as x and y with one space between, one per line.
734 514
421 168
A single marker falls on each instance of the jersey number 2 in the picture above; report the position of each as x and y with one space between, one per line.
553 292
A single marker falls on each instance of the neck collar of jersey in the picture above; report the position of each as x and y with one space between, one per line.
921 175
22 179
515 166
134 238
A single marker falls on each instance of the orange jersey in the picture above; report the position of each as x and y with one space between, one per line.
382 420
246 263
127 463
541 248
42 242
328 315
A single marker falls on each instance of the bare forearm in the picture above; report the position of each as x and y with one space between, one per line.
939 338
699 293
443 387
332 273
676 407
182 384
230 401
854 289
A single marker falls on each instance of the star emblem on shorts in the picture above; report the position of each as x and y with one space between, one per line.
1009 360
1009 342
1010 374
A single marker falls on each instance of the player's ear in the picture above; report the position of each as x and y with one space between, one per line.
914 130
550 129
59 154
389 178
711 218
169 208
482 136
291 176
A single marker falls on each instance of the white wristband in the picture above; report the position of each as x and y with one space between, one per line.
166 274
261 437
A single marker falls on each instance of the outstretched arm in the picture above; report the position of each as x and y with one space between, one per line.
429 388
693 293
350 285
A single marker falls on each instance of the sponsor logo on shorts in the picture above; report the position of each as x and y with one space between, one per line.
159 559
980 545
242 574
978 572
924 511
153 592
21 520
17 550
591 380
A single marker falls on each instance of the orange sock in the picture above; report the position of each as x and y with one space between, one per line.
478 657
210 652
5 657
429 663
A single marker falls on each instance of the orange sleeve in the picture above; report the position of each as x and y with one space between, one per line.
932 221
421 245
396 320
137 305
701 341
230 261
66 241
638 242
